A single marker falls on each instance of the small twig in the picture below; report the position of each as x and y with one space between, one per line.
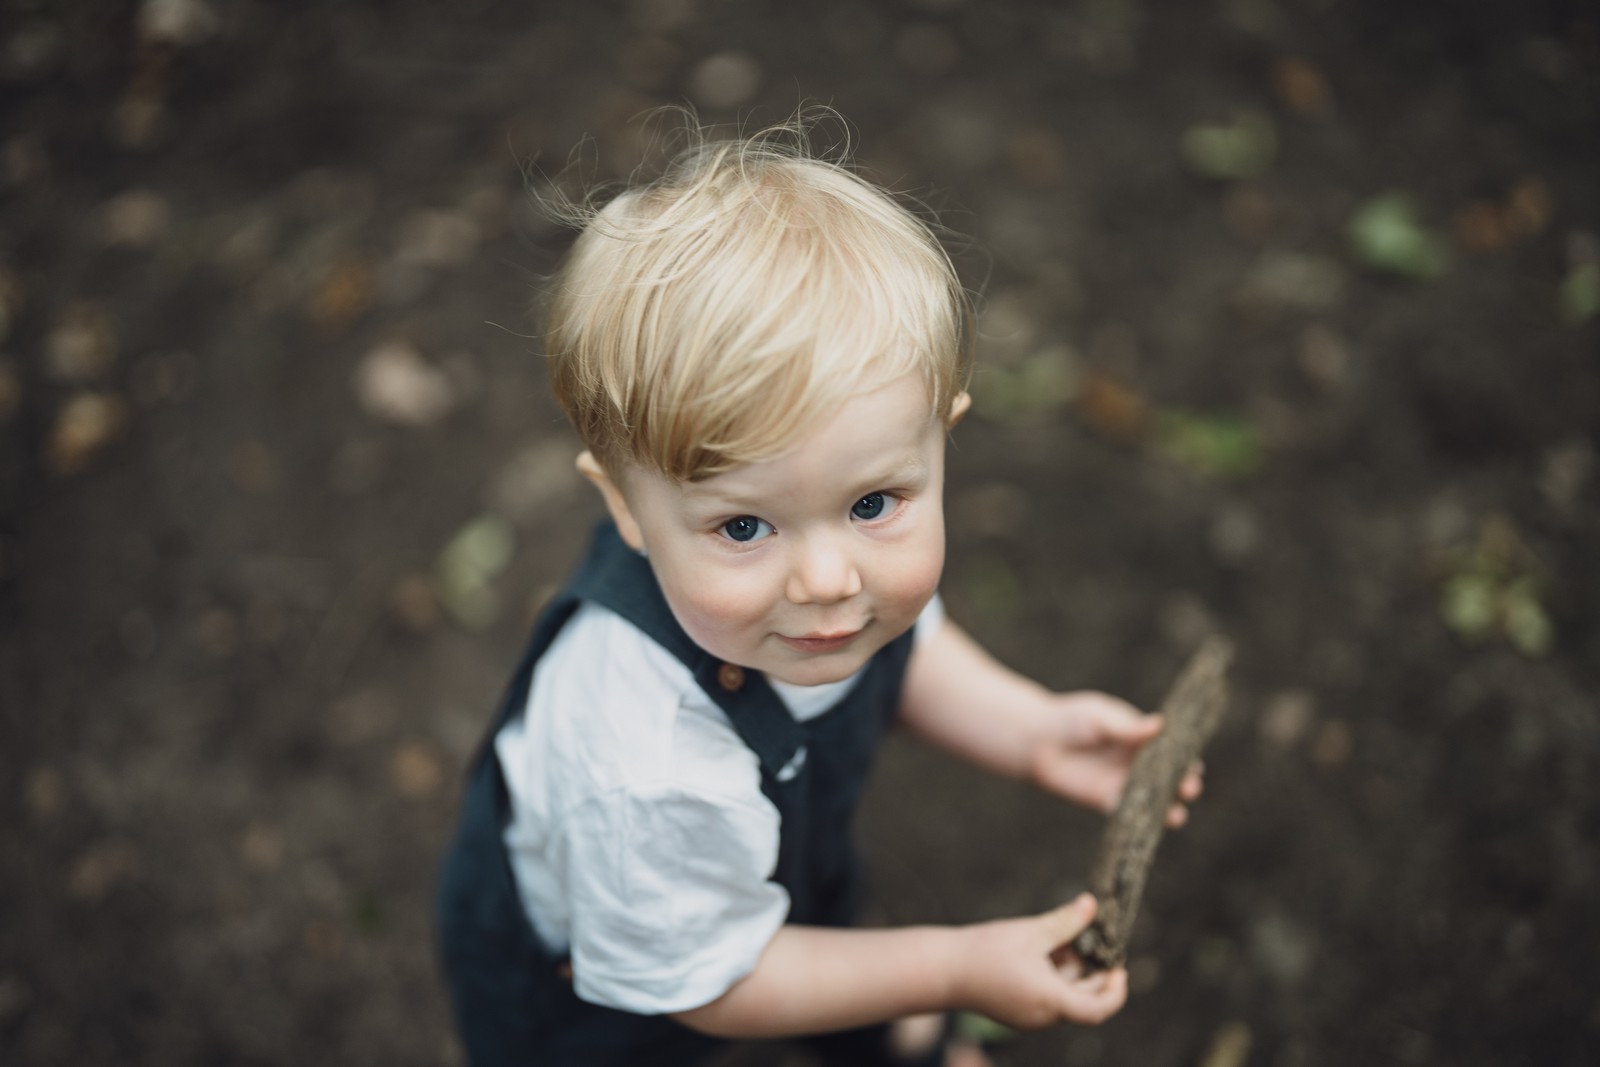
1191 712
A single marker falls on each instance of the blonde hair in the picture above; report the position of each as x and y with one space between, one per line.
707 319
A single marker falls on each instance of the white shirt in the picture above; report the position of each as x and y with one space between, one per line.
639 836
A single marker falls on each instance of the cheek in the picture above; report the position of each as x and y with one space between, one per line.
910 576
718 607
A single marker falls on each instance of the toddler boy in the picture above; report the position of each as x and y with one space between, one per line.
763 354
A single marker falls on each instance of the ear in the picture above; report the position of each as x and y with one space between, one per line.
616 503
958 409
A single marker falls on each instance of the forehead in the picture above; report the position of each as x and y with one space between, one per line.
880 438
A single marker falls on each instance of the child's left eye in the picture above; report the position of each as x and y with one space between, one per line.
746 528
870 506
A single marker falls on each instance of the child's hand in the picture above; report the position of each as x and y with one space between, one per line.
1087 746
1023 972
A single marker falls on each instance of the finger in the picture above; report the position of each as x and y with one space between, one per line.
1105 716
1193 783
1177 816
1065 923
1060 772
1096 998
1127 723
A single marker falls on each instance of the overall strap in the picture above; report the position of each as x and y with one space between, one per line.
552 617
616 577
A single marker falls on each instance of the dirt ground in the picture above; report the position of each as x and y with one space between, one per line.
281 485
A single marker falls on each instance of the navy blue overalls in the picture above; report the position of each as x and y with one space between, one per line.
514 1005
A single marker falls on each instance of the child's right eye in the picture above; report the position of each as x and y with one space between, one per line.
746 528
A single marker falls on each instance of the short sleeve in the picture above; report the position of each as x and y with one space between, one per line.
929 621
674 904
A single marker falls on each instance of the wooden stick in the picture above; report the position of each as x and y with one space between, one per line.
1191 712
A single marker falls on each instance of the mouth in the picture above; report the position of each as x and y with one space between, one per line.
822 642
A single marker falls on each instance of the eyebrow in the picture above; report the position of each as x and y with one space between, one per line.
909 469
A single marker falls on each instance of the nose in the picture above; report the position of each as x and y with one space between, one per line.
822 572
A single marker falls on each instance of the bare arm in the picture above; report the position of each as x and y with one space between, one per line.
1019 971
1076 745
964 700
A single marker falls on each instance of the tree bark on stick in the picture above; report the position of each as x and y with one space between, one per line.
1191 713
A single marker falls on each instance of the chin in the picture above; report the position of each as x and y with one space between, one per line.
821 670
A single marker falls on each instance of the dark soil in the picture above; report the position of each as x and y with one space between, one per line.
237 685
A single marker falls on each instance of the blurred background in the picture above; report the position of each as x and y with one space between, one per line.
1288 330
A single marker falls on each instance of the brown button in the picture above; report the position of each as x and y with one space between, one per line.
564 972
731 676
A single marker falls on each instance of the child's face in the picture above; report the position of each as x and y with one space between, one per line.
803 566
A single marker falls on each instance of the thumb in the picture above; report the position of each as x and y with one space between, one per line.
1117 720
1065 923
1132 725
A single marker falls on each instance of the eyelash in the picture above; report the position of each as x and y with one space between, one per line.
891 502
722 530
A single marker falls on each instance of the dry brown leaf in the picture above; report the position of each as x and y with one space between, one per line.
1249 211
1481 226
84 426
141 114
1302 87
1230 1047
415 770
45 792
344 294
136 218
1111 407
82 346
1529 207
1332 746
261 847
101 868
1287 717
414 602
176 22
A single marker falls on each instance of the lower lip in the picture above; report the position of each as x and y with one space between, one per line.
817 645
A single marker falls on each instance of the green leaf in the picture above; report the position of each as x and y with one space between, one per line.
1580 293
982 1029
468 565
1469 605
1526 623
1242 148
1043 382
1220 445
1385 235
998 395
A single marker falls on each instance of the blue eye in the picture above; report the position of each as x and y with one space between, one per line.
746 528
869 506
